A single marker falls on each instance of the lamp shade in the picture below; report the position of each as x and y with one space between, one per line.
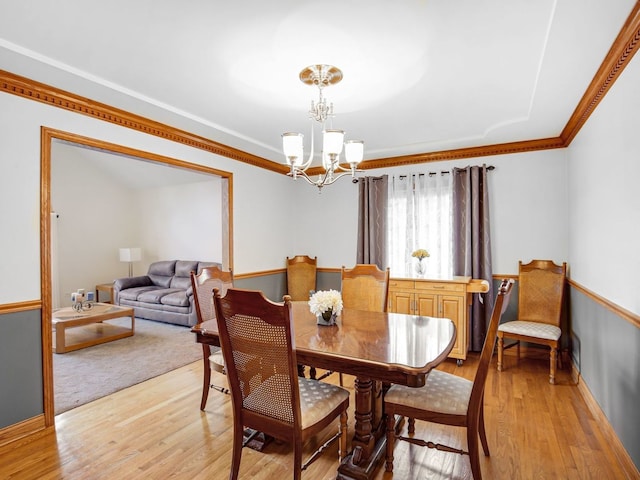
130 254
332 142
292 146
354 151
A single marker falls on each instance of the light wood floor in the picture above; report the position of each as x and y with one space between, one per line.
155 430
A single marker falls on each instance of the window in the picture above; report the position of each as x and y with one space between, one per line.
420 216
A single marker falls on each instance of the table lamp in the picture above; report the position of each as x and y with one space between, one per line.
130 255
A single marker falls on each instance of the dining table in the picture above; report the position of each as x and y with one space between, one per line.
378 349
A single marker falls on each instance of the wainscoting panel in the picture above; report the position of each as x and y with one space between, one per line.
273 284
21 389
606 353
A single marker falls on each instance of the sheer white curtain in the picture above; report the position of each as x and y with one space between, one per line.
420 216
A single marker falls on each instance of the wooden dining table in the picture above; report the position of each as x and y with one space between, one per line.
377 348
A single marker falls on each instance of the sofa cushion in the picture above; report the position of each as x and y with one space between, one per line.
132 293
161 273
177 299
182 278
182 283
184 268
155 296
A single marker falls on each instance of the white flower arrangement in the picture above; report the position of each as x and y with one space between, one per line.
326 300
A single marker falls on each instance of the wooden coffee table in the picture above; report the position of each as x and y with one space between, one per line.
74 330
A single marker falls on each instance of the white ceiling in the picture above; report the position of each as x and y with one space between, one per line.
419 75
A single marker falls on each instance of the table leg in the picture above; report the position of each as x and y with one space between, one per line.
369 442
206 381
60 337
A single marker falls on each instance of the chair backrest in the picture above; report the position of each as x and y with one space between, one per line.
203 285
499 307
541 291
255 335
365 287
301 276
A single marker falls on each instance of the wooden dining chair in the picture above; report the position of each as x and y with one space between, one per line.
365 287
448 399
301 276
203 284
540 297
267 394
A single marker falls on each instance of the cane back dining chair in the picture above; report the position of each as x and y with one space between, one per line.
267 394
301 276
203 284
540 299
448 399
365 287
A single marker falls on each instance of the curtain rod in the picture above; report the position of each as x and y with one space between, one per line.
431 174
443 172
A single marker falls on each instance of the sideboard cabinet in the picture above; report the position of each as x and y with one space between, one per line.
449 298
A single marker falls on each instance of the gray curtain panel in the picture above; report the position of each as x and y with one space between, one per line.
372 220
472 240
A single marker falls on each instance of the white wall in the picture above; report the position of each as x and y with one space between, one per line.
95 219
181 222
325 223
604 171
20 201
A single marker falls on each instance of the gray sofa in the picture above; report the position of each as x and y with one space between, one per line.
163 294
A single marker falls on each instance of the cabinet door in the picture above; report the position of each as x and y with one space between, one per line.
427 305
452 307
400 302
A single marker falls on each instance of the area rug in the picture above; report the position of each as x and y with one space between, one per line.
85 375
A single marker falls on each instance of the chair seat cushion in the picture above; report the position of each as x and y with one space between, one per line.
443 393
531 329
317 399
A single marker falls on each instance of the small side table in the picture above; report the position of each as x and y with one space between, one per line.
104 287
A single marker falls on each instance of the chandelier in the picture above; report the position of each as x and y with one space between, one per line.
332 140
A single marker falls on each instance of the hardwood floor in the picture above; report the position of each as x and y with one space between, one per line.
155 430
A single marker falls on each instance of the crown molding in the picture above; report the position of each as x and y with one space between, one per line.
469 152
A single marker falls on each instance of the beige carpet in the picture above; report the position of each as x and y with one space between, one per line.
85 375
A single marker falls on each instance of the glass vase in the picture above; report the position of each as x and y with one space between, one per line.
421 268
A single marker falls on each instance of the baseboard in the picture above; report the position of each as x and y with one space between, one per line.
22 430
629 468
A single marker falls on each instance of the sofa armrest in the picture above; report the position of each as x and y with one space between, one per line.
130 282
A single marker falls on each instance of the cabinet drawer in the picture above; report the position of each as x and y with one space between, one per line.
439 286
401 284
